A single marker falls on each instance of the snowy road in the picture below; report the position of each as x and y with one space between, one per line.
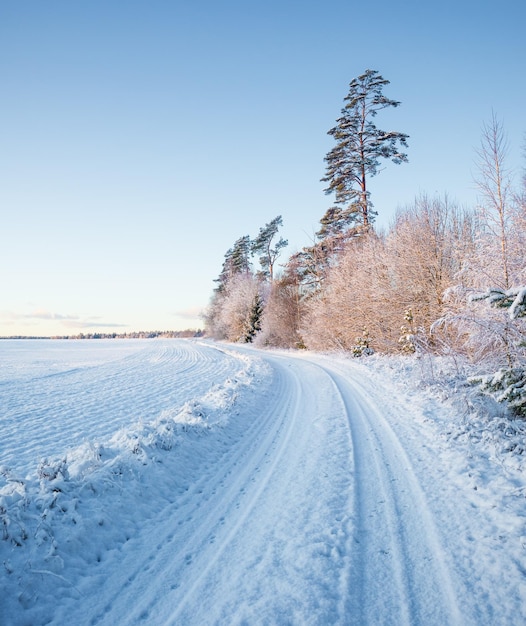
293 491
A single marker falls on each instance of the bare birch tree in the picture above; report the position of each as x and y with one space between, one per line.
494 183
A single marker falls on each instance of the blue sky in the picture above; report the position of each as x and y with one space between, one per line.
139 140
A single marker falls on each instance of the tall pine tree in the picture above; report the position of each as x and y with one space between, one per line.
262 245
356 156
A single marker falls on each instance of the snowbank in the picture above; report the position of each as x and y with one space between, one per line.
62 517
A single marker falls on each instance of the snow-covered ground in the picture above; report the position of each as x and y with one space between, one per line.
186 482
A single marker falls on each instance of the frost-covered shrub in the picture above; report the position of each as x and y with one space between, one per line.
513 299
362 347
506 386
13 501
51 470
237 310
407 337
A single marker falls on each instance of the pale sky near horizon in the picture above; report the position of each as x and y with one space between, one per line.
139 140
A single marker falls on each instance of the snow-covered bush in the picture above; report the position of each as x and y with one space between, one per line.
12 502
282 314
513 299
52 470
362 347
407 337
506 386
235 313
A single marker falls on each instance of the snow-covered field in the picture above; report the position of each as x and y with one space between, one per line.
185 482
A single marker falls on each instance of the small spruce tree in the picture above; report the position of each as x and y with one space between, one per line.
253 322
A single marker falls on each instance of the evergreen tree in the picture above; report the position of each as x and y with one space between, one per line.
262 245
254 318
241 253
356 156
237 261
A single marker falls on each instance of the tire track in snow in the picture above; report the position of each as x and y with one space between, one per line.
311 487
259 466
397 572
257 535
390 561
281 559
210 510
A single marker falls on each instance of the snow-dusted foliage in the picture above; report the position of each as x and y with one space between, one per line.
362 346
235 312
407 340
377 279
487 314
354 295
485 334
236 308
282 315
507 386
440 279
518 306
513 299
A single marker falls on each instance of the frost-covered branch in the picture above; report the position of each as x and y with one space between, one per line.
513 299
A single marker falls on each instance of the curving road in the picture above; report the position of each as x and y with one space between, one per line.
209 484
307 511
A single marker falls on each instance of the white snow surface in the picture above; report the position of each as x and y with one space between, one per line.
187 482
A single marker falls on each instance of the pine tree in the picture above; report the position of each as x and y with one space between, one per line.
241 254
237 261
356 156
262 245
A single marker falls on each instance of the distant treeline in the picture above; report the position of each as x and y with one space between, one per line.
171 334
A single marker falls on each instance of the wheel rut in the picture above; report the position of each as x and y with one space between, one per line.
397 572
